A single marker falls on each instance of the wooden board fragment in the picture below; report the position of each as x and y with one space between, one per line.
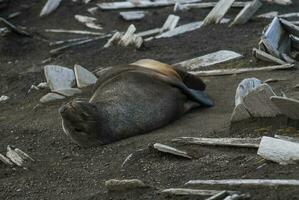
268 15
287 106
170 23
280 151
171 150
208 60
5 160
218 12
132 15
218 196
190 192
261 55
183 7
140 4
233 142
281 2
180 30
222 72
246 183
247 12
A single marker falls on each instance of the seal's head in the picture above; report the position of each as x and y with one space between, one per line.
81 122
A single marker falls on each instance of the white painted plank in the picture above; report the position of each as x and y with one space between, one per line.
181 29
218 12
209 60
280 151
183 7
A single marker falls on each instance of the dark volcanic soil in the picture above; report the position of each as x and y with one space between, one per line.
65 171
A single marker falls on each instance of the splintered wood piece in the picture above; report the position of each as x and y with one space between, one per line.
258 103
287 138
281 151
221 72
5 160
233 142
182 7
124 185
14 28
23 155
14 156
247 12
170 23
294 42
132 15
89 22
261 55
49 7
128 36
171 150
218 12
181 29
149 32
287 106
141 4
114 39
268 15
191 192
218 196
246 183
73 32
209 60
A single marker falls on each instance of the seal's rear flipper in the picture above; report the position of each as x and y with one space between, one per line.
200 97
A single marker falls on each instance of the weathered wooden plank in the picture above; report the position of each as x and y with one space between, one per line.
222 72
287 106
233 142
170 23
281 2
124 185
181 29
246 183
73 32
209 60
191 192
218 12
141 4
132 15
280 151
259 54
247 12
171 150
218 196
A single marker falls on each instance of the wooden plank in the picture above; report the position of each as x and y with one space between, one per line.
170 23
280 151
246 183
191 192
281 2
73 32
49 7
218 12
171 150
222 72
287 106
209 60
247 12
261 55
232 142
141 4
181 29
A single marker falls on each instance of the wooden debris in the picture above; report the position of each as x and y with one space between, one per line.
3 98
208 60
170 23
59 77
132 15
218 12
268 15
233 142
51 97
281 2
124 185
141 4
246 183
73 32
60 42
273 80
5 160
23 155
14 28
261 55
222 72
68 92
218 196
281 151
49 7
237 197
191 192
182 7
171 150
84 77
287 106
247 12
181 29
93 10
89 22
126 160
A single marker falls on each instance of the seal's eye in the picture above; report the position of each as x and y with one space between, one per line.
78 130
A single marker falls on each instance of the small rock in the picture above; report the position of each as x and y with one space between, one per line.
68 92
42 85
124 185
3 98
84 77
51 97
59 77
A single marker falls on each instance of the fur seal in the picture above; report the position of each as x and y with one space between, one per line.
132 100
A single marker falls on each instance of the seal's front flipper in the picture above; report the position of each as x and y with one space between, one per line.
200 97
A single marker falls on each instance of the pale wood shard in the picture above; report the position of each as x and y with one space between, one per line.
218 196
132 15
218 12
273 80
246 183
89 22
148 33
287 106
233 142
84 77
5 160
247 12
128 36
268 15
170 23
114 39
237 197
141 4
181 29
171 150
126 160
209 60
59 77
49 7
23 155
261 55
73 32
182 7
124 185
222 72
14 28
191 192
258 102
281 151
60 42
14 156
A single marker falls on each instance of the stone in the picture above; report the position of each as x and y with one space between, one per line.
84 77
59 77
